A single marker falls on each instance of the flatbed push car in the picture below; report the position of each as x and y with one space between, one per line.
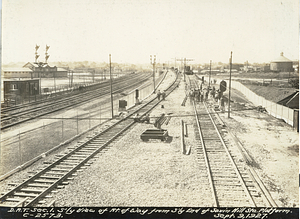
161 134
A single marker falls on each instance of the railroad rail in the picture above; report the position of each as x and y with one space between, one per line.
29 112
232 182
35 191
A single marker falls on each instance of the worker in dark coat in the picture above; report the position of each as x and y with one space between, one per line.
206 95
213 92
197 96
201 96
222 103
158 94
163 94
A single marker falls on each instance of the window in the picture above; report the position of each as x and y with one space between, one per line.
13 86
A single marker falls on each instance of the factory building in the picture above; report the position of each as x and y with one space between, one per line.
281 64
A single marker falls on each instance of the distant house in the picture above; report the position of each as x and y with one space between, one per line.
281 64
265 68
236 66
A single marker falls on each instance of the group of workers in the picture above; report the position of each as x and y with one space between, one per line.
202 95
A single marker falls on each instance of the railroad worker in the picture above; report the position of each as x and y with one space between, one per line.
163 94
201 96
197 95
192 93
206 95
213 92
222 103
158 94
218 96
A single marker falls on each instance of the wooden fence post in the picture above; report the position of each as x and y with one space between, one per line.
20 149
186 130
182 137
62 128
77 122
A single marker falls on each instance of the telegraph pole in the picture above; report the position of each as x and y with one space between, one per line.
36 57
111 95
230 64
209 74
153 63
46 61
184 63
41 65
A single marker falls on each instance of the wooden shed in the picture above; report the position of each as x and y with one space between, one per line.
14 89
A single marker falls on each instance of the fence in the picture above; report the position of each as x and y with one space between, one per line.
48 90
25 146
274 109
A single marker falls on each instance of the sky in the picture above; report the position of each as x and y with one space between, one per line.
132 30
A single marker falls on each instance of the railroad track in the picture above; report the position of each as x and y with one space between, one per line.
35 191
232 181
17 115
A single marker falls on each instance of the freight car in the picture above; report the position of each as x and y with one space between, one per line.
188 70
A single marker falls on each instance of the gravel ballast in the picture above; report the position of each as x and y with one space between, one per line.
130 172
136 173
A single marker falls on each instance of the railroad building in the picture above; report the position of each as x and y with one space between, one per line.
281 64
20 89
46 71
17 73
32 70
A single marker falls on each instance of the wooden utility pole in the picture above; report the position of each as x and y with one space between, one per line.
153 63
229 92
209 74
111 95
184 64
54 82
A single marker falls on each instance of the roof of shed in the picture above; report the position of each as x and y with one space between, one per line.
291 101
17 69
